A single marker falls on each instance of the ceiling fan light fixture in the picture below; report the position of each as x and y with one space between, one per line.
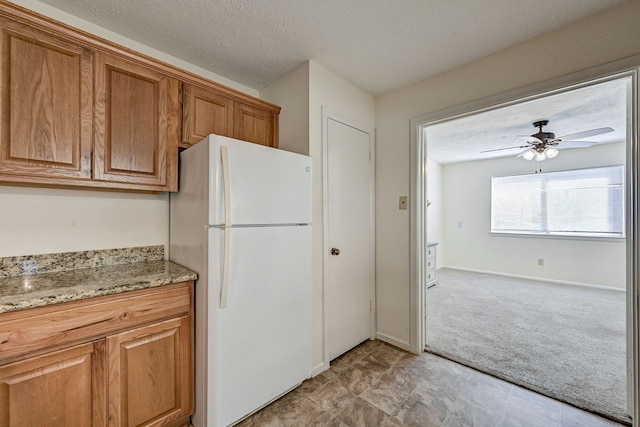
551 152
541 145
530 154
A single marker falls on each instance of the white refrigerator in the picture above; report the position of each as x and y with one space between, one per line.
242 221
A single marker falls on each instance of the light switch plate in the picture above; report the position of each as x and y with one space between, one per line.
403 204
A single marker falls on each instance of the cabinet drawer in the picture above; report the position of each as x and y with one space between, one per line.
42 329
431 274
431 252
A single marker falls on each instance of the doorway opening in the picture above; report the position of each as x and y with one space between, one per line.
454 209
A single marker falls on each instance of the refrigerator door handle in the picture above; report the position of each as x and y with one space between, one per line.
224 151
227 230
225 268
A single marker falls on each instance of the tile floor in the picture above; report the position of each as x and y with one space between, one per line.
379 385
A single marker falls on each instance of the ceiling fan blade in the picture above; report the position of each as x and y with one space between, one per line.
586 133
576 144
505 148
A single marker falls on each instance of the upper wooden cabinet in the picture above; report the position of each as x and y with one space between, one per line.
77 110
136 124
74 117
46 93
206 111
255 125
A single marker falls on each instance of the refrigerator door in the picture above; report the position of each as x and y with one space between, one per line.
259 346
266 185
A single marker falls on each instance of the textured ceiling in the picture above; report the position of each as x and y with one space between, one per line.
597 106
378 45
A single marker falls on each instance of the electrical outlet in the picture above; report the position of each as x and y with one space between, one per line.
403 203
540 261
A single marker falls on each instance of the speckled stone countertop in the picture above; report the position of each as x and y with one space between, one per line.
39 280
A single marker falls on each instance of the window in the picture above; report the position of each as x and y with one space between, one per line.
584 202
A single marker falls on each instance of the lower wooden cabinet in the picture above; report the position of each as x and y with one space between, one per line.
62 388
150 378
120 376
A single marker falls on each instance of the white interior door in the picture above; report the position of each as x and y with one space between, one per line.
349 234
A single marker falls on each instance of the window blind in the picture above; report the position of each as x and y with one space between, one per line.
582 202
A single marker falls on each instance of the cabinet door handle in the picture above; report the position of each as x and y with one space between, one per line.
335 251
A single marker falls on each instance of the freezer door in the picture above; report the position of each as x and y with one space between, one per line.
260 343
266 185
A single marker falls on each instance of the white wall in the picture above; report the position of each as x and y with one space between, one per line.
291 93
325 89
43 220
600 39
40 220
468 244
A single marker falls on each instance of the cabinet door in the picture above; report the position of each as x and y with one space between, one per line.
64 389
46 107
205 112
151 374
136 125
255 125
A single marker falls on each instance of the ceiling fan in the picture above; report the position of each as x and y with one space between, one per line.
544 145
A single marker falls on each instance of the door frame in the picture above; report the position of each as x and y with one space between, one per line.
328 114
418 180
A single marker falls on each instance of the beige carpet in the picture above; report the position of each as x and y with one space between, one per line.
566 342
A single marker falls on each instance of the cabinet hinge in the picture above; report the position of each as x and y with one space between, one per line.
88 162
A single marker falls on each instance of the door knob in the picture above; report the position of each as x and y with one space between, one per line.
335 251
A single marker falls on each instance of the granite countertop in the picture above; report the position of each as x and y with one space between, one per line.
55 278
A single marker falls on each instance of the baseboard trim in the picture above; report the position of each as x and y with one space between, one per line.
394 342
540 279
319 368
